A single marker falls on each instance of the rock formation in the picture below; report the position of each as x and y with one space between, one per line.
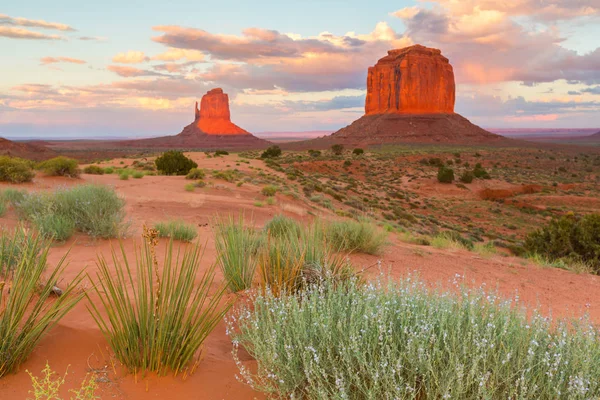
413 80
410 98
25 150
212 129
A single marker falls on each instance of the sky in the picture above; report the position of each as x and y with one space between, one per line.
135 69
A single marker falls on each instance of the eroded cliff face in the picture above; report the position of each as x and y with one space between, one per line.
213 117
412 80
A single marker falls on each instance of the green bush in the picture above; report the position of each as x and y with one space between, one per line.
93 170
13 196
156 321
269 190
190 187
568 237
28 308
271 152
174 163
93 209
282 226
360 236
3 207
314 153
15 245
358 151
124 175
445 175
467 177
196 173
15 170
480 172
55 226
137 175
109 170
221 153
337 149
401 340
177 230
60 166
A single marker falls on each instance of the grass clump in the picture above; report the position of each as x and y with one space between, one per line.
96 210
176 230
93 170
269 190
282 226
405 341
124 175
156 321
60 166
237 246
14 245
356 236
26 311
190 187
196 174
15 170
137 174
174 163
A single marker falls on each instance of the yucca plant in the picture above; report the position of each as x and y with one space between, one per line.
26 311
237 247
152 320
281 263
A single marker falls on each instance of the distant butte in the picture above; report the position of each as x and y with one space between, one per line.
410 99
212 129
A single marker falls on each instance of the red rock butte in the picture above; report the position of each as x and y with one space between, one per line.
213 117
413 80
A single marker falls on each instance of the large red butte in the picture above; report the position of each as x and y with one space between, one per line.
412 80
213 117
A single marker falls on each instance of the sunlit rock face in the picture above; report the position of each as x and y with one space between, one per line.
412 80
213 117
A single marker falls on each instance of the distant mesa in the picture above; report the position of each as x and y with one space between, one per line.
212 129
410 98
24 150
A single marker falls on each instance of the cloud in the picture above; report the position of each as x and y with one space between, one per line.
592 90
489 41
129 72
131 57
7 20
175 67
54 60
92 38
573 93
20 33
180 54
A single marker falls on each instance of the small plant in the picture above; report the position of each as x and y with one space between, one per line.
337 149
271 201
467 177
174 163
195 174
124 176
109 170
47 386
176 230
271 152
347 163
137 174
314 153
269 190
60 166
27 310
15 170
153 320
480 172
445 175
259 204
360 236
55 226
358 151
190 187
221 153
93 170
3 207
237 247
282 226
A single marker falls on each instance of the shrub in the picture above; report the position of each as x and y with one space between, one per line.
137 175
96 210
360 236
47 387
269 190
314 153
568 237
190 187
60 166
3 208
480 172
156 321
93 170
358 151
405 341
229 175
55 226
27 311
15 170
445 175
124 176
13 196
174 163
347 163
237 247
282 226
467 177
271 152
176 230
221 153
337 149
109 170
196 173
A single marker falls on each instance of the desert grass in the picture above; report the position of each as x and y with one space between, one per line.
402 340
27 311
577 266
282 226
156 321
177 230
96 210
3 207
237 246
137 175
356 236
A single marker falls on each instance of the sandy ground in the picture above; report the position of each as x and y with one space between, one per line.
77 344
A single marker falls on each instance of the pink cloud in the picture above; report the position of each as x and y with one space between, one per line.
20 33
7 20
54 60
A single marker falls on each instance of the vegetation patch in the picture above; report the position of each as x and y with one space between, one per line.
15 170
174 163
60 166
176 230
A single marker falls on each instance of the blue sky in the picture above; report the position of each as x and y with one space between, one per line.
286 67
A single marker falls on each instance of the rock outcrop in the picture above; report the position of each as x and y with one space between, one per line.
212 129
25 150
413 80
